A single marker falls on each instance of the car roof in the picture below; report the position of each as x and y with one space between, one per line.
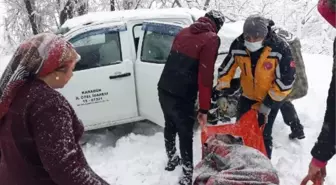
126 15
228 33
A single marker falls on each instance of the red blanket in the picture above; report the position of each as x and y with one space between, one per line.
233 164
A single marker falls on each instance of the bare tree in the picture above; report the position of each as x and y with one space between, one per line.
127 4
32 16
151 4
112 5
82 7
137 4
177 2
47 15
206 4
73 8
68 11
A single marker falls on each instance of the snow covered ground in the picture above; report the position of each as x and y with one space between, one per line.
135 154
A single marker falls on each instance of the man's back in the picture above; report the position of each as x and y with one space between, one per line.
189 68
180 74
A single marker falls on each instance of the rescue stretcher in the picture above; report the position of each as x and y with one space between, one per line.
247 127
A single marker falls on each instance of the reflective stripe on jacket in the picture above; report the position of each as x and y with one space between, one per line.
273 73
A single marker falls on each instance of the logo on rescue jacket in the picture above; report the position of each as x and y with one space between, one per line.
268 65
292 64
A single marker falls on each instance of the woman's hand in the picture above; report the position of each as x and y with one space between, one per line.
314 170
316 174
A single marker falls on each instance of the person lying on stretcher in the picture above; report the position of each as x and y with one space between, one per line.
227 161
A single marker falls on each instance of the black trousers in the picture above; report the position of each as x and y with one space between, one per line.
244 106
290 116
179 117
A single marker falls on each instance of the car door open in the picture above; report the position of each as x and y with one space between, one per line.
154 48
102 89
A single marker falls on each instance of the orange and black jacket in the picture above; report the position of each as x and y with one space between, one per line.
267 75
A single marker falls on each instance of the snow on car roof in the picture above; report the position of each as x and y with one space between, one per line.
232 29
228 33
125 15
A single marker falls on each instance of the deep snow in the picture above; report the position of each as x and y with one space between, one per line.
138 156
134 153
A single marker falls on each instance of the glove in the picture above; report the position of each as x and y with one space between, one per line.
219 97
215 94
220 86
263 113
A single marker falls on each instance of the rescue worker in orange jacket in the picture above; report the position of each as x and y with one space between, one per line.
267 72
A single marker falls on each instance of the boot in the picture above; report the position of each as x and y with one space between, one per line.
186 179
297 131
224 119
173 158
213 113
212 118
172 163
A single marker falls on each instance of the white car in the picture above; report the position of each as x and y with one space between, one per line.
123 54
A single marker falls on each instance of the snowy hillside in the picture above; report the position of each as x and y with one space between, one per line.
143 157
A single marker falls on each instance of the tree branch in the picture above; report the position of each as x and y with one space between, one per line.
112 5
151 4
178 3
206 4
32 17
241 7
67 12
83 7
137 4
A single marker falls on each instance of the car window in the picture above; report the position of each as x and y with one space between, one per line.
97 49
157 41
156 47
91 40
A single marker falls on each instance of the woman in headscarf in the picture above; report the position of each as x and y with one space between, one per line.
39 130
325 147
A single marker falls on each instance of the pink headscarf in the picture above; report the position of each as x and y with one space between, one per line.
327 10
39 55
